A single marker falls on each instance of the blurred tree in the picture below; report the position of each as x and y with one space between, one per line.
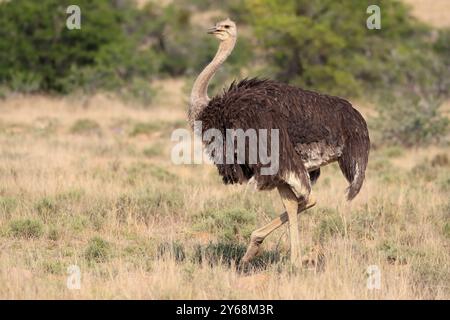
118 46
325 45
117 43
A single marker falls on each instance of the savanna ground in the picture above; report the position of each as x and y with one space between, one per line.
89 182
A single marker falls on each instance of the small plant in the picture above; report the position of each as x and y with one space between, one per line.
365 224
440 160
394 253
98 250
232 224
85 126
446 230
53 267
429 275
174 249
153 151
161 174
26 228
331 225
78 223
145 128
46 207
214 253
7 205
54 234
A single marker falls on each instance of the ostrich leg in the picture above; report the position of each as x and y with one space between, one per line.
260 234
291 204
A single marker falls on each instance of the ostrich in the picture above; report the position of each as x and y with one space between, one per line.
314 130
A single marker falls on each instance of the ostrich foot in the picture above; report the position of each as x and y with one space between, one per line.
253 249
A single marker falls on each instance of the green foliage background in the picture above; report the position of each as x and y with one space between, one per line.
323 45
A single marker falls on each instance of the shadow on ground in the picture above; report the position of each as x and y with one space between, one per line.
226 253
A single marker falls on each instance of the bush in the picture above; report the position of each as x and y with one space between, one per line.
231 224
411 121
330 225
46 207
114 47
173 249
26 228
325 45
98 250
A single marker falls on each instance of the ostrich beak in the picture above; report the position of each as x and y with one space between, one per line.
212 30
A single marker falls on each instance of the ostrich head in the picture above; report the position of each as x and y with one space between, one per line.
224 30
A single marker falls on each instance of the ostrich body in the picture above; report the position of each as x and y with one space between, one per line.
314 130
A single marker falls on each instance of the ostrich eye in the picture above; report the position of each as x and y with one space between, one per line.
227 27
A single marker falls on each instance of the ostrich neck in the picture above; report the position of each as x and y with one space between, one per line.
199 94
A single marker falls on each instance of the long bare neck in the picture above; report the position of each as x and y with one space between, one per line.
199 94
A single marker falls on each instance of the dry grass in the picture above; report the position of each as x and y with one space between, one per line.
90 182
434 12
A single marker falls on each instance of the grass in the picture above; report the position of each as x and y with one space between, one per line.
140 227
145 128
85 126
233 224
98 250
26 228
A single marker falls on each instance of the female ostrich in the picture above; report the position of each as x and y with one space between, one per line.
314 130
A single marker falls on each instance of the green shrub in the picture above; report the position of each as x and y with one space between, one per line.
53 267
46 207
396 253
153 151
98 250
54 234
330 225
174 249
7 205
26 228
411 120
230 224
229 253
446 230
430 275
162 174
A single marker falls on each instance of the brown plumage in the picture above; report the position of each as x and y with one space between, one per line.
314 130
